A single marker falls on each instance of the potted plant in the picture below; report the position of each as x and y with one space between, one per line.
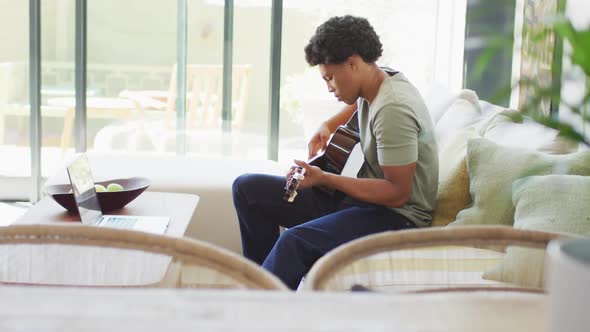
579 55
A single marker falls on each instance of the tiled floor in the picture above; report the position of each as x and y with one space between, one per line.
10 211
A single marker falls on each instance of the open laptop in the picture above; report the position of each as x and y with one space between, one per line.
89 206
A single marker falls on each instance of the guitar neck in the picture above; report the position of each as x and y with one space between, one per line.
293 183
353 123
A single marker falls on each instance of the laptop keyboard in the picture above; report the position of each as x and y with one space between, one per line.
118 222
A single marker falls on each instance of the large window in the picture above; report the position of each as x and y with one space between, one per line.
15 167
488 40
420 38
57 82
247 135
131 67
133 51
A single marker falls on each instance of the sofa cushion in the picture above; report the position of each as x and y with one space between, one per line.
502 130
489 112
463 112
438 98
492 169
552 203
453 180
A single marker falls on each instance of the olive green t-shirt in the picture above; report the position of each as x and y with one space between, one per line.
397 130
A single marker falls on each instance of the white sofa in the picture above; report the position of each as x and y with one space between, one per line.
215 219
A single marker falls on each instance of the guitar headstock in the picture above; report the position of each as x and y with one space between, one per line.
292 184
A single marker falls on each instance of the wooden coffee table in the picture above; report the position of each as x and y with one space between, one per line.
179 207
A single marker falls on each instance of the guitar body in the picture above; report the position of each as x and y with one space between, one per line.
338 149
332 159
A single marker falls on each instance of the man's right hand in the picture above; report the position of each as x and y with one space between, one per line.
319 140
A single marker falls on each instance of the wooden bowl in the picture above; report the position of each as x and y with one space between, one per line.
110 200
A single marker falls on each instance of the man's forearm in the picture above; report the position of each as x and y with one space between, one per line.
376 191
340 118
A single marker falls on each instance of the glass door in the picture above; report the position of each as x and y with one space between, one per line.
15 165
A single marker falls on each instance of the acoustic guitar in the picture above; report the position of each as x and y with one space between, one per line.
332 159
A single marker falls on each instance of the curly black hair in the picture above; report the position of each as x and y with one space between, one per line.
340 37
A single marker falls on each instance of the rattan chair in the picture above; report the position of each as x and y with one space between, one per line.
77 255
430 259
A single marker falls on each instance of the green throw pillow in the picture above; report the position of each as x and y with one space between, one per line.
492 169
552 203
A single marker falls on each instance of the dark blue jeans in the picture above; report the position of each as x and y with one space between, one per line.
316 222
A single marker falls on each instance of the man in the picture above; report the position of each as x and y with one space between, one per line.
394 189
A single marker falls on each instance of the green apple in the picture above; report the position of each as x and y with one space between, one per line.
100 188
114 187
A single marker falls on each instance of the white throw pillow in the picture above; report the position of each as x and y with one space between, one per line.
528 134
488 113
463 112
438 98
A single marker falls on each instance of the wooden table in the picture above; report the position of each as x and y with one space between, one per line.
144 310
89 265
179 207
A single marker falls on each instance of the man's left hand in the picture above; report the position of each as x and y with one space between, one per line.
313 175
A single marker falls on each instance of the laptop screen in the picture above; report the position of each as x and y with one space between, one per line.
83 189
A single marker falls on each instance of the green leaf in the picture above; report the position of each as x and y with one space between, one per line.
496 45
582 112
516 117
538 94
501 94
564 129
580 43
